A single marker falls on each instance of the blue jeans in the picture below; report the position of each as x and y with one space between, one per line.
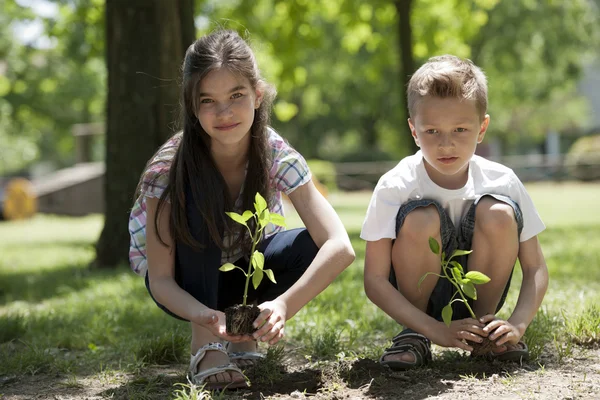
453 240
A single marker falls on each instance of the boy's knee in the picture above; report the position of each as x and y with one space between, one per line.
495 216
422 222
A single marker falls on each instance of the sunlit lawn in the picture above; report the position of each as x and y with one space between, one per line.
58 316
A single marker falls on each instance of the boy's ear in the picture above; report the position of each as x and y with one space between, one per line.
413 132
483 128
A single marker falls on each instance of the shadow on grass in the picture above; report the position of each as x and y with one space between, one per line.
36 287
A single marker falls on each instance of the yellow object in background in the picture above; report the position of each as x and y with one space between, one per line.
20 199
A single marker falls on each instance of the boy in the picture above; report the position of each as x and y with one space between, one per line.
464 202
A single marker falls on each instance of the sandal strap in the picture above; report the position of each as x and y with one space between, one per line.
200 377
420 358
415 340
196 358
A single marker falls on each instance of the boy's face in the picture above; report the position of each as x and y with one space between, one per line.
447 130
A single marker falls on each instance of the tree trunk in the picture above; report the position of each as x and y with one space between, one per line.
407 67
145 44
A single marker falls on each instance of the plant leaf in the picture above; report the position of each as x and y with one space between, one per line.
270 275
469 289
421 281
258 260
456 264
278 220
447 314
461 253
247 215
434 245
237 217
257 277
259 203
457 275
227 267
477 277
265 217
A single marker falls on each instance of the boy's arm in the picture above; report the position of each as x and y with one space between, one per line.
533 289
535 283
381 292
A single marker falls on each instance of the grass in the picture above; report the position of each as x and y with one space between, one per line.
59 317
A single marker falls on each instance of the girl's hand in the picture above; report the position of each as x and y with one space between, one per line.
214 321
459 331
500 331
271 321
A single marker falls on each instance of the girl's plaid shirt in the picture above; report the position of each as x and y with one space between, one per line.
289 171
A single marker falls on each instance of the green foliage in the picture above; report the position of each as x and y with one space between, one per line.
166 348
454 272
325 173
262 217
11 327
583 158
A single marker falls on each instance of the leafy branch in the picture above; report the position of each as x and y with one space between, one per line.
454 272
262 217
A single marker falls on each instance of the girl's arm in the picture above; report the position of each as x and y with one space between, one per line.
161 272
335 250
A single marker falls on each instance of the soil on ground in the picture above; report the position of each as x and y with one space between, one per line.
451 376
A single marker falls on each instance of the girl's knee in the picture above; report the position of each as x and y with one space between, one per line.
421 222
494 216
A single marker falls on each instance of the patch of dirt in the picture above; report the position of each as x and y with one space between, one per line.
450 376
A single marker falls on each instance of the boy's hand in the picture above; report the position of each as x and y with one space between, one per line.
500 331
459 331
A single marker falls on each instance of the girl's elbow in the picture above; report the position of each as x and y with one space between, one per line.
348 254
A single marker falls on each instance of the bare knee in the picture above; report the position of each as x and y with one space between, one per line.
495 217
420 223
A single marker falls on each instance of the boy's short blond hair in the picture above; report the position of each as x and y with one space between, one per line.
448 76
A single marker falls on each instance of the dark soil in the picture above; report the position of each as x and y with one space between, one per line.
239 319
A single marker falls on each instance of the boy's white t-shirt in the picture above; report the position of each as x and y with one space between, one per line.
409 181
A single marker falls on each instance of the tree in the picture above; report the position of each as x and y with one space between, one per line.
143 59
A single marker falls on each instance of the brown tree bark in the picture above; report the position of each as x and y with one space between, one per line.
407 67
145 45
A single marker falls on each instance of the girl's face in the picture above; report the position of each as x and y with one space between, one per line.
226 106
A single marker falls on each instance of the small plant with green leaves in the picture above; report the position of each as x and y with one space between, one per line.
465 287
239 318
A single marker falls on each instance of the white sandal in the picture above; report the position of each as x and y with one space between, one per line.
199 377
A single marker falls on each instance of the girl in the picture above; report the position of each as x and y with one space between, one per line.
180 234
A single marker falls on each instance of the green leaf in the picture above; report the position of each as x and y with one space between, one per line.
270 275
477 277
247 215
259 203
236 217
264 218
257 277
469 289
227 267
434 245
447 314
278 220
456 275
258 260
456 264
461 253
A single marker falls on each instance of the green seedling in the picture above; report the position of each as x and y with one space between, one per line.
262 217
454 272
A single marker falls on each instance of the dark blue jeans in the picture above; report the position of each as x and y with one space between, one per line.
453 239
287 253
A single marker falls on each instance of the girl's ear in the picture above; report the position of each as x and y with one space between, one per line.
258 97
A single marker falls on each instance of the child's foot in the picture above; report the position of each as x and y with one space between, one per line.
409 350
244 354
211 366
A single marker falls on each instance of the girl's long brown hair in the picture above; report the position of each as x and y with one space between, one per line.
193 165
